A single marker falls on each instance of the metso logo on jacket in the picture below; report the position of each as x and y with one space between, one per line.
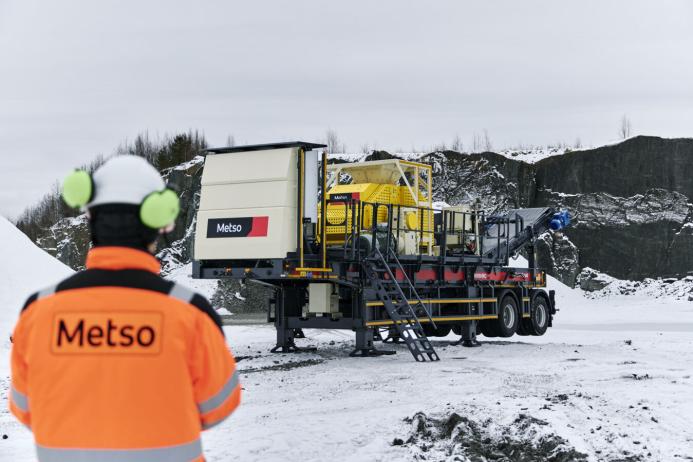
116 363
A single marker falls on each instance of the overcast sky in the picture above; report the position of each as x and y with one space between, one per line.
77 78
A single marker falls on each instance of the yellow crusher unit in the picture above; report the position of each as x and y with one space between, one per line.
380 260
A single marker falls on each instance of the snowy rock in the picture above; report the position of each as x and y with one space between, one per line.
559 257
68 241
591 280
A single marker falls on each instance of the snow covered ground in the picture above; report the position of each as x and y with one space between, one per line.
612 379
24 269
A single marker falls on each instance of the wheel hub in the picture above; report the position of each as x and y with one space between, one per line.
540 314
508 316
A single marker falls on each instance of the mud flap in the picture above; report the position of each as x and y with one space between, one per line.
552 302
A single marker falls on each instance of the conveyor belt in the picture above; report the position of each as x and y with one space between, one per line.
507 233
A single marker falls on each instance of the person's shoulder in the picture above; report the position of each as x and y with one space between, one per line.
195 299
125 278
43 294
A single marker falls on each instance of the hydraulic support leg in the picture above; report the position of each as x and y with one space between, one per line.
285 300
468 335
364 344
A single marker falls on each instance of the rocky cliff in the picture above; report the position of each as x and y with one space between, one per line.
630 202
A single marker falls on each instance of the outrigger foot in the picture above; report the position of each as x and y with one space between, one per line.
466 343
368 352
292 348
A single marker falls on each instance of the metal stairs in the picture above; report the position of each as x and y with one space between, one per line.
398 307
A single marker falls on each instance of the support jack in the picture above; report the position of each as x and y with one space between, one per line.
370 352
291 347
468 335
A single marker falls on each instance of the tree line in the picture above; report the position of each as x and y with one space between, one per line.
162 153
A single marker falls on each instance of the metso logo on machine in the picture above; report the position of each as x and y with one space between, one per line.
237 227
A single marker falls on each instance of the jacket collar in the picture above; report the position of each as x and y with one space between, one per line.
120 258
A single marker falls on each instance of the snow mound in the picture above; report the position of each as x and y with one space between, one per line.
598 285
183 275
24 269
460 437
535 154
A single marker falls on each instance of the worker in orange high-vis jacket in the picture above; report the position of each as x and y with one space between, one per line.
116 363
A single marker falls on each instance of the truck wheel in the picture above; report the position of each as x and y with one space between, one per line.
488 328
522 324
521 327
508 317
538 321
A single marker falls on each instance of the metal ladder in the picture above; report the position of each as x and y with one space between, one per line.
400 310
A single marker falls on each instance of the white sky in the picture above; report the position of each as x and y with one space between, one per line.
77 78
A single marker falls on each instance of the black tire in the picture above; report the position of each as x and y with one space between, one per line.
522 325
539 313
508 317
488 328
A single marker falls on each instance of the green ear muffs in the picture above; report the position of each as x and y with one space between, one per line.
78 189
160 209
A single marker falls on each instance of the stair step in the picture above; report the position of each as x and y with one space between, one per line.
398 307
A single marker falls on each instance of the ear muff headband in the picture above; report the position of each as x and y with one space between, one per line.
160 209
78 189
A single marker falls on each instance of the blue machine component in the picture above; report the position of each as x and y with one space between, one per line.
560 220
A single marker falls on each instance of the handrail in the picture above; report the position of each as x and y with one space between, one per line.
416 294
356 213
379 255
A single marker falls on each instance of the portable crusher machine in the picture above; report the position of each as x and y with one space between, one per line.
360 246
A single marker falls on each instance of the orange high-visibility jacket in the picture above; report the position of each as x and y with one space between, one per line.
116 363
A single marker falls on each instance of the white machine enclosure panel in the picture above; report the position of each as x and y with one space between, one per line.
250 167
279 238
248 205
248 195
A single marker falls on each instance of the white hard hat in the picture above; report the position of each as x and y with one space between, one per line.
125 180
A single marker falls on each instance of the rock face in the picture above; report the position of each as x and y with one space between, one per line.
68 241
185 179
625 169
497 182
559 256
630 203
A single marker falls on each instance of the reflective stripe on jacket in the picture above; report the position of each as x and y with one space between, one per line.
116 363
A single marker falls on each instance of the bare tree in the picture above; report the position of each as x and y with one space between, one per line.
334 145
578 143
365 148
488 146
625 129
477 142
457 144
230 141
